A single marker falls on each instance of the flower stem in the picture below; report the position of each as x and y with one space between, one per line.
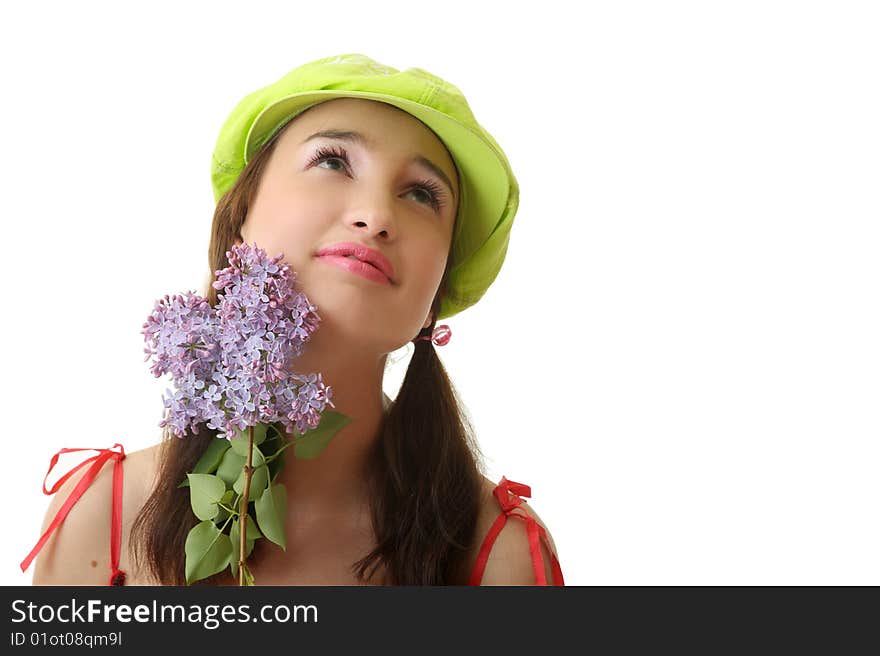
223 528
243 515
279 451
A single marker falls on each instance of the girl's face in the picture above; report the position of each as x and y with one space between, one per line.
377 191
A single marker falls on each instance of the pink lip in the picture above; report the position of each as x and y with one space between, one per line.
357 267
373 259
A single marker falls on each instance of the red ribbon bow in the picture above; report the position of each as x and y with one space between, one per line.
507 494
118 576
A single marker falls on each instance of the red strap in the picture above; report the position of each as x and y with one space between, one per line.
507 494
117 576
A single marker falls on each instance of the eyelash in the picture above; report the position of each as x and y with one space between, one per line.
434 190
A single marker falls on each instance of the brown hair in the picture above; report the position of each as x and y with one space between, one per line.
426 467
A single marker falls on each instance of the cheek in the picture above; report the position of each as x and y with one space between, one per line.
428 266
291 219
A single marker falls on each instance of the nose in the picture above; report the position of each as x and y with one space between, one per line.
378 226
376 218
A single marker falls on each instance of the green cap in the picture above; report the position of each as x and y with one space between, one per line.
489 193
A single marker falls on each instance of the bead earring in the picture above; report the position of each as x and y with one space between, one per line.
440 336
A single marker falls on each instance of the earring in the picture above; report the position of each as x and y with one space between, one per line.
440 336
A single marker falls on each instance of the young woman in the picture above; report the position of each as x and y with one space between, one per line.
392 166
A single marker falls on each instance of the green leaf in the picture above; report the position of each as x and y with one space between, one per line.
205 491
210 459
230 467
227 500
272 512
221 516
233 464
257 457
241 439
259 480
207 551
314 441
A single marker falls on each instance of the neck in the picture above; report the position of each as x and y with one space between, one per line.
336 481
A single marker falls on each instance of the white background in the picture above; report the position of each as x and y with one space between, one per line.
680 355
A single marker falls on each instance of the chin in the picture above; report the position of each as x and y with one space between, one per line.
353 320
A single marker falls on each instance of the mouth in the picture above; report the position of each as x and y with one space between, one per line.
360 258
356 266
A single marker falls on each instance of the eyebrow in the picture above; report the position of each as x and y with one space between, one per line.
357 138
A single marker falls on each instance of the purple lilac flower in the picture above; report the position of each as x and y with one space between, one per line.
179 332
232 364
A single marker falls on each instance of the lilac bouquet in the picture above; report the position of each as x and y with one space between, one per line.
232 369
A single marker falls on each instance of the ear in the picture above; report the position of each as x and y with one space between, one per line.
428 321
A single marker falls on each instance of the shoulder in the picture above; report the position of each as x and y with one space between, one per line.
78 550
510 559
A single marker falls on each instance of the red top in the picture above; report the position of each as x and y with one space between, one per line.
508 493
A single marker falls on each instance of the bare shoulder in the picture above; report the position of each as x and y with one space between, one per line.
78 551
510 560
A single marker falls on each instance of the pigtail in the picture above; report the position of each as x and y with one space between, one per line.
427 480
